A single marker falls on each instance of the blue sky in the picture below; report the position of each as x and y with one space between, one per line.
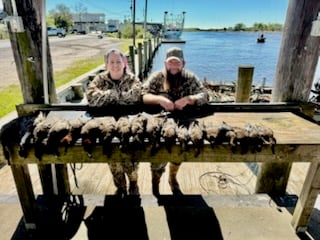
199 13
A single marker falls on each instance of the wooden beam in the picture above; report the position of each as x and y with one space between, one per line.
295 70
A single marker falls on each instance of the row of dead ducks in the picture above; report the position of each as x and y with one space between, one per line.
47 134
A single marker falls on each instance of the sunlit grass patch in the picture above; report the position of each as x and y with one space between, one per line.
10 97
76 69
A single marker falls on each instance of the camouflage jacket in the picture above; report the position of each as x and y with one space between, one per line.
190 85
103 90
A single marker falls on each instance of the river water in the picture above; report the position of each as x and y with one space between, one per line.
218 55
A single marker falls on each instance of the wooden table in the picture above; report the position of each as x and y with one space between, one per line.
298 140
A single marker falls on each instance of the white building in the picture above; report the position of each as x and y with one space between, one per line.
113 25
89 22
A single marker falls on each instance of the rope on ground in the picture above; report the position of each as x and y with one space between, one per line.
225 180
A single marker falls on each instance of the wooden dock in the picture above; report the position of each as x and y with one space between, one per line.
234 204
172 41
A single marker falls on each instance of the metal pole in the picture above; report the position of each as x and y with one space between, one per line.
45 81
44 53
145 20
133 23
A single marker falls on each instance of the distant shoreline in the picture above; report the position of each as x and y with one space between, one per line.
227 30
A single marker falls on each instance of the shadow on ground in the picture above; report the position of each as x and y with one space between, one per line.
188 217
57 218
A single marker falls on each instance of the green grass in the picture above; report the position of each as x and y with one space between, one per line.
76 69
9 97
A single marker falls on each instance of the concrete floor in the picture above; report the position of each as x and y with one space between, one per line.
187 217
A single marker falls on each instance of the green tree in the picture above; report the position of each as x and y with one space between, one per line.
240 27
259 27
62 16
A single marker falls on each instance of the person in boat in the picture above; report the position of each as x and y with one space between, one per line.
173 88
261 38
117 85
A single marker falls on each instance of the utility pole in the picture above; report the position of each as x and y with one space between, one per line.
145 20
133 23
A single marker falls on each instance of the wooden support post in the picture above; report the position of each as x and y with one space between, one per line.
58 179
46 178
150 54
140 61
145 54
132 59
244 83
272 178
62 176
154 47
26 195
25 191
307 199
293 78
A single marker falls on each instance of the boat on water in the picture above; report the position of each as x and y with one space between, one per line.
261 39
173 25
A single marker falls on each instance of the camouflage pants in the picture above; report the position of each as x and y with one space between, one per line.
119 169
158 169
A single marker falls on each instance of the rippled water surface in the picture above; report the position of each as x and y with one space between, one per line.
218 55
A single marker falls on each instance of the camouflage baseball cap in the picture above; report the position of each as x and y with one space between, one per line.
175 53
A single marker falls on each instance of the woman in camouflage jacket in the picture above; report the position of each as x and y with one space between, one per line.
117 85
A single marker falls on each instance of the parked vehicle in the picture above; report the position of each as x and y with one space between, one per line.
60 32
76 31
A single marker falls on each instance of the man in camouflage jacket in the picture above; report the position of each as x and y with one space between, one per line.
172 88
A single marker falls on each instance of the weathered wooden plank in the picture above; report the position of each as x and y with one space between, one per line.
26 195
220 153
27 109
307 199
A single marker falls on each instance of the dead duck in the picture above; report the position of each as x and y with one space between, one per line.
211 133
123 132
17 132
153 131
183 138
138 131
76 125
26 134
59 135
26 126
168 133
238 136
108 128
267 136
222 136
90 133
196 135
40 133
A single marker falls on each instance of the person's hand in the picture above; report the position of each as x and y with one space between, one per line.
182 102
167 104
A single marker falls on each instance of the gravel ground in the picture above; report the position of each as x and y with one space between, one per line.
64 51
